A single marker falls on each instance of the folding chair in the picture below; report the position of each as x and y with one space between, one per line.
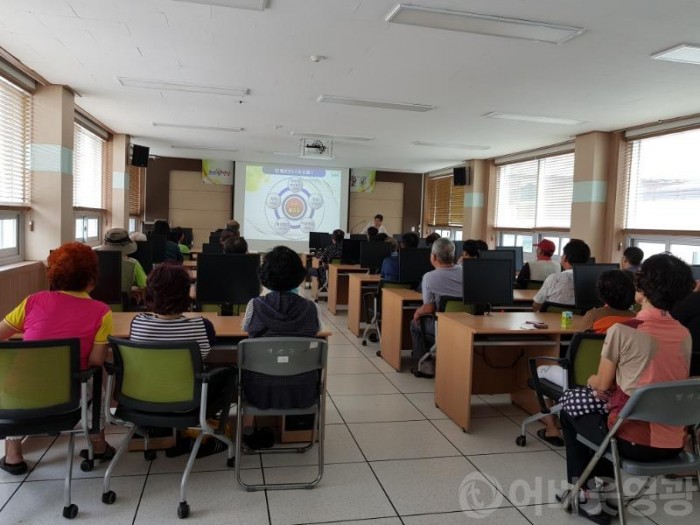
672 403
580 363
282 358
43 391
372 303
161 385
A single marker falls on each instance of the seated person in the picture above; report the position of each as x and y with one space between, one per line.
235 245
542 267
481 244
172 252
430 239
65 312
372 233
280 313
631 259
444 280
470 250
177 235
381 237
390 265
687 312
559 287
232 230
653 348
334 251
117 239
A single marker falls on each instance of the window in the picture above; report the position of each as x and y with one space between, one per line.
87 228
528 241
10 227
685 248
133 222
445 202
535 194
89 169
663 186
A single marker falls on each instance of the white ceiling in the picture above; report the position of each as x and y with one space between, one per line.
604 77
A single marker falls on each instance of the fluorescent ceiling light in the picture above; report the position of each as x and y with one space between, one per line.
258 5
686 53
332 99
539 119
192 126
209 148
448 145
175 86
330 136
482 24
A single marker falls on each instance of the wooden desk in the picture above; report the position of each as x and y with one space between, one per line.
524 296
338 284
489 355
356 313
189 264
398 307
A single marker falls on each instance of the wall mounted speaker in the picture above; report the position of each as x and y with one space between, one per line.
461 176
139 156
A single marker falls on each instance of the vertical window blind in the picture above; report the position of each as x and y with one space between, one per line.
445 202
535 193
15 141
89 169
663 182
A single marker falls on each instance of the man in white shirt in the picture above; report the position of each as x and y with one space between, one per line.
559 287
542 267
377 223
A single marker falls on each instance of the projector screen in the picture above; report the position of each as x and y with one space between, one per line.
280 204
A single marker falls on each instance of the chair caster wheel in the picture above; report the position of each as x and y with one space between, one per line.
521 441
150 455
379 353
183 510
231 462
87 465
109 497
71 511
364 343
373 338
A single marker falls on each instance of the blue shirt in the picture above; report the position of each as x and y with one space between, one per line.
390 268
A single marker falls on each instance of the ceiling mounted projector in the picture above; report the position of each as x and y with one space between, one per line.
316 149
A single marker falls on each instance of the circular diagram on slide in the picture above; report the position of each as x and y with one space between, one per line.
294 207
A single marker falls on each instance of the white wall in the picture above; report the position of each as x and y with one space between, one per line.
387 199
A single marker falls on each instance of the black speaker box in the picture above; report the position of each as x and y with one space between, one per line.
139 156
461 176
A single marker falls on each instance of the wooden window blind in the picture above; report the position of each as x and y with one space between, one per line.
135 178
445 202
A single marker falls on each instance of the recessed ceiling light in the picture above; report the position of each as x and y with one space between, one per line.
258 5
449 145
176 86
482 24
539 119
209 148
332 99
330 136
192 126
686 53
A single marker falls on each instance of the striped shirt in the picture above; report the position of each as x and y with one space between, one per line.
147 327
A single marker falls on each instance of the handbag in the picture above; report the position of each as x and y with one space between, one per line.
580 401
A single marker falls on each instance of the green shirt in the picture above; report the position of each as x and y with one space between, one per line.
183 248
139 274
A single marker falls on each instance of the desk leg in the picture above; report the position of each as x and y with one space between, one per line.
332 288
355 306
520 394
453 373
392 316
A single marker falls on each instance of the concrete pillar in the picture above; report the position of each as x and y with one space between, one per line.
475 199
50 221
120 182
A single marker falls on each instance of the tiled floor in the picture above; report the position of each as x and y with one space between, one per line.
392 458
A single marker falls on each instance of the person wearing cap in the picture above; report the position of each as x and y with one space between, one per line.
559 287
542 267
117 239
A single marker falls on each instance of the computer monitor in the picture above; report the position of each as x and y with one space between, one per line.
585 278
351 250
372 254
422 243
228 279
358 236
158 242
518 254
188 237
215 238
143 255
487 283
212 247
108 287
695 268
413 264
493 255
319 240
591 260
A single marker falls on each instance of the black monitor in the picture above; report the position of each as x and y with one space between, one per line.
493 255
351 250
458 249
372 254
227 279
158 242
215 238
518 254
143 255
487 283
212 247
319 240
591 260
108 287
413 264
188 237
358 236
695 268
585 278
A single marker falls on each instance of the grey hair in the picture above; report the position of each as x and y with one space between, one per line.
444 250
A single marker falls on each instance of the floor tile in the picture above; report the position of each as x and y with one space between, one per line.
340 447
377 521
376 408
503 404
407 383
494 516
356 384
401 440
488 435
526 478
343 351
346 492
423 486
350 365
380 364
555 515
670 509
214 498
425 402
7 490
33 449
338 339
332 414
165 465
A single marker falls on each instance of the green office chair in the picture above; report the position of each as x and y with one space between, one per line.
560 307
161 385
43 391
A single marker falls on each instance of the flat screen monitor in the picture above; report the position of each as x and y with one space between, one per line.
212 247
493 255
591 260
188 237
518 254
319 240
487 283
695 268
413 264
422 243
372 254
227 278
158 242
215 238
358 236
585 278
143 255
352 249
108 287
